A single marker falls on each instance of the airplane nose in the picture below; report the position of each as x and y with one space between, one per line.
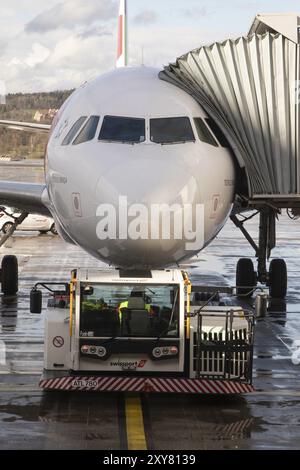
149 184
148 181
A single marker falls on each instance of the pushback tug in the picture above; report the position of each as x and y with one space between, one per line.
110 331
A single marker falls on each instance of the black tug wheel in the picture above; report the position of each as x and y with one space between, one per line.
9 275
278 279
245 278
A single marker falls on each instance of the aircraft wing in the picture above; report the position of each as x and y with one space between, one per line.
31 197
25 126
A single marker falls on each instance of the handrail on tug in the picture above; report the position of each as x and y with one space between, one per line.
225 346
188 286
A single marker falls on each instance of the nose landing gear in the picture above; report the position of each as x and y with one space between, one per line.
246 276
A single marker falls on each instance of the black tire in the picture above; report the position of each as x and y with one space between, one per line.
278 279
9 275
245 277
6 227
53 229
43 232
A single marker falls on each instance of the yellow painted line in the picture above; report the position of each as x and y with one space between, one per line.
21 388
136 438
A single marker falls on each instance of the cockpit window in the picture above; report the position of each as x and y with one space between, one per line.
73 131
218 133
171 130
88 131
204 134
123 129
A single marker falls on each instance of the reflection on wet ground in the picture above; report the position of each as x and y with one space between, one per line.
267 419
59 421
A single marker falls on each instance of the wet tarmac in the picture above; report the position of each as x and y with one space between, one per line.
31 171
266 419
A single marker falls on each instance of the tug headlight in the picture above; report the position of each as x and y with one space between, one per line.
157 352
102 351
99 351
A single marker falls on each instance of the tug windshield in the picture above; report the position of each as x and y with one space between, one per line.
138 311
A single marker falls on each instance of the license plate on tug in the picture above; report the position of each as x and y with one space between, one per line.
84 383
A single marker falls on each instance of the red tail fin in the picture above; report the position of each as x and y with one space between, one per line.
122 35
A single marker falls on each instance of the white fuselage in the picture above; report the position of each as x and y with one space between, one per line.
82 177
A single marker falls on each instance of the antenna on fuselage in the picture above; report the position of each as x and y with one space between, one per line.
122 56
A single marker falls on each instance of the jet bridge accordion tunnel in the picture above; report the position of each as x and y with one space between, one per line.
250 87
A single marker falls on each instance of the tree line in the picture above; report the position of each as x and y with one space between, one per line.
23 107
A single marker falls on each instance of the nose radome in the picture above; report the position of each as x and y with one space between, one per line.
147 182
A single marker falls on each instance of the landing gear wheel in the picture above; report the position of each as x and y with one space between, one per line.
9 275
278 279
6 227
245 277
53 230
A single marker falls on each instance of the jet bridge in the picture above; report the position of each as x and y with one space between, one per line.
250 87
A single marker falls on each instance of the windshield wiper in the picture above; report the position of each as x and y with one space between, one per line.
171 319
178 142
173 143
164 332
129 142
110 141
110 340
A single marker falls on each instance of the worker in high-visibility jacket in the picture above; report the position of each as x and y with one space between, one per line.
137 292
125 305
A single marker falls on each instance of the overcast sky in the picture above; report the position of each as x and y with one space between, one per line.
49 45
